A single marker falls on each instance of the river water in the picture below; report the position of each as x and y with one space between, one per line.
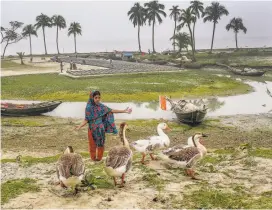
252 103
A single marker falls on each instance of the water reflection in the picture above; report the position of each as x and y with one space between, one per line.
153 105
253 103
214 104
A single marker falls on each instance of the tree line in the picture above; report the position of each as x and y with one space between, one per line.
153 12
10 35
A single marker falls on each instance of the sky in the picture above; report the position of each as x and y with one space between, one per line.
106 26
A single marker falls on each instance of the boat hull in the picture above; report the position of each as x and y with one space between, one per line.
14 110
259 73
193 118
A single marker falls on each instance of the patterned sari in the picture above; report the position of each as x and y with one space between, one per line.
100 120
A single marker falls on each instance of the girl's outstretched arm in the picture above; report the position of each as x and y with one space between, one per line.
127 110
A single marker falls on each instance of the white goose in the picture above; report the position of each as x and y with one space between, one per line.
153 143
119 159
185 156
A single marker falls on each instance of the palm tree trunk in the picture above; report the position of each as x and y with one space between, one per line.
30 47
236 40
139 38
57 39
75 42
194 34
153 44
214 24
5 49
174 35
44 42
192 42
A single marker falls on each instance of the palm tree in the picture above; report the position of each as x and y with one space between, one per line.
187 18
213 13
75 29
153 12
29 30
21 56
59 21
197 8
42 22
137 17
236 24
175 13
182 40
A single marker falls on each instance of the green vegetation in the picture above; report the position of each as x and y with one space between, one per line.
217 198
8 64
121 88
14 188
241 57
152 177
264 153
98 177
28 160
211 159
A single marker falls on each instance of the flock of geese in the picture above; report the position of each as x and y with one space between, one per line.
71 168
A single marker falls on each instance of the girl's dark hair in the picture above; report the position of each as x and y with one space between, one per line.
96 93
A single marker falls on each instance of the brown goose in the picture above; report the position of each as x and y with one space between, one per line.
186 156
70 168
119 159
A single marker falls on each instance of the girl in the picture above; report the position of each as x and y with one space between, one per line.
101 120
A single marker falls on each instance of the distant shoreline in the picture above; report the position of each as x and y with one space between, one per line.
105 52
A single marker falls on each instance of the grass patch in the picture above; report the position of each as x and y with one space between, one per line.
152 177
211 159
99 177
14 188
121 88
9 64
28 160
264 153
217 198
23 122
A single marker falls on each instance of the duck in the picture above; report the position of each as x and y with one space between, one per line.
153 143
70 168
119 159
186 156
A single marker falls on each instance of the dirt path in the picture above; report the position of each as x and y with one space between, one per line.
39 66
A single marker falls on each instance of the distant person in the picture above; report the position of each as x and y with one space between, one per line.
101 121
71 65
61 67
111 63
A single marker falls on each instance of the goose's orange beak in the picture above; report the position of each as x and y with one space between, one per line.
167 128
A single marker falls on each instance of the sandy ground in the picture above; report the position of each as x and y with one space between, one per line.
39 66
152 186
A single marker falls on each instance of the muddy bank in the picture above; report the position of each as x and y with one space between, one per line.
51 135
237 168
238 178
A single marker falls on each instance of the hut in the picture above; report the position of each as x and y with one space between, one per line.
127 55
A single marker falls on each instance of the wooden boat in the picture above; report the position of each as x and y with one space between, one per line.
189 117
244 72
248 73
194 118
10 109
